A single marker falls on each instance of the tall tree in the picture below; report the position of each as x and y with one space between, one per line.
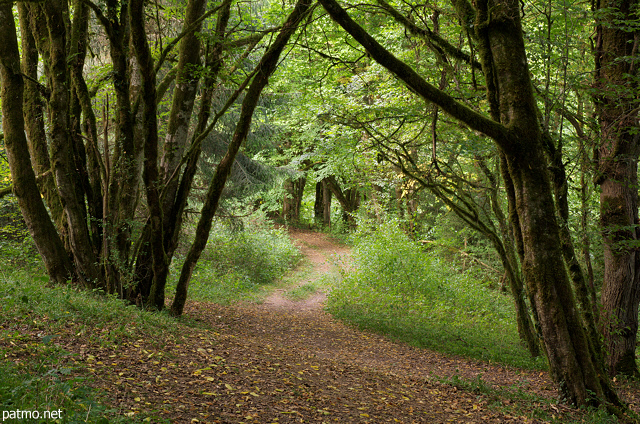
516 130
617 99
264 69
33 210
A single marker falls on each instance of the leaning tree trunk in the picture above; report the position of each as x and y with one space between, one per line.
617 108
26 191
265 68
172 219
349 199
572 359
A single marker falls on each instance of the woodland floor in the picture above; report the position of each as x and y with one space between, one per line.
287 361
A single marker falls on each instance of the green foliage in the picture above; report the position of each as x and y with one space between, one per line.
398 289
237 264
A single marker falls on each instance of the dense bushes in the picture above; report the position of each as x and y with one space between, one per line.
238 263
395 287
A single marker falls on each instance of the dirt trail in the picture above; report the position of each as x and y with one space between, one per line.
354 364
323 256
326 337
285 361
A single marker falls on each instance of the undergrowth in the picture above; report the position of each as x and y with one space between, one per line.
37 375
395 288
238 265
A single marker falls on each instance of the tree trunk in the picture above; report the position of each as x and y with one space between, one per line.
573 362
61 148
124 177
318 204
151 174
349 199
326 203
184 95
617 109
172 222
88 159
292 201
34 119
33 210
265 68
505 247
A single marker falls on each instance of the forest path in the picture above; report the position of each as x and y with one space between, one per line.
323 258
327 371
286 361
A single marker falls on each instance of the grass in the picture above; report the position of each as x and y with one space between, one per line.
40 376
240 265
517 401
397 289
392 288
302 292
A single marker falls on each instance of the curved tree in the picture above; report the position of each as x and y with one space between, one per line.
514 126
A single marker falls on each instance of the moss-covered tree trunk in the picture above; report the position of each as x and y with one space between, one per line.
35 116
617 63
124 176
152 184
175 200
62 154
184 95
38 222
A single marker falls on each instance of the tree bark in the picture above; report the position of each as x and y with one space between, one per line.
151 174
292 201
172 221
61 148
318 206
88 160
124 180
34 118
265 68
349 199
184 95
31 205
326 203
617 109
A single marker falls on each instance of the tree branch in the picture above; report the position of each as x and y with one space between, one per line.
429 35
415 82
6 191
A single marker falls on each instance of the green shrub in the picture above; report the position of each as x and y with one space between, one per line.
237 264
396 288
